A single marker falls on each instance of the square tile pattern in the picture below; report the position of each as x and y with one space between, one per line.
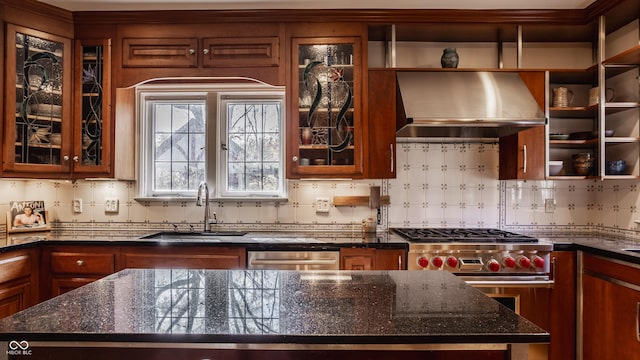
437 185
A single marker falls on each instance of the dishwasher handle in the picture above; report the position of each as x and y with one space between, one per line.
275 262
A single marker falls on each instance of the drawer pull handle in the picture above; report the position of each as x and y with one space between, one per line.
80 262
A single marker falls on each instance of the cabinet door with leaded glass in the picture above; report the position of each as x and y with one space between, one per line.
37 112
92 126
326 122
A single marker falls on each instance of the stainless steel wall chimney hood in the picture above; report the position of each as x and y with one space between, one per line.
468 104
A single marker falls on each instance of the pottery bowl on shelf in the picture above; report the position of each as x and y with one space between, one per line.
555 166
609 133
582 163
616 167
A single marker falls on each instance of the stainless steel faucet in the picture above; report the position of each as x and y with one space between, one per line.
208 220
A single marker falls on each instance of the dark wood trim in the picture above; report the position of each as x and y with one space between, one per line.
332 15
39 8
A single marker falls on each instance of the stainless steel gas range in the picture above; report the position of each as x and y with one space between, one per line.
479 255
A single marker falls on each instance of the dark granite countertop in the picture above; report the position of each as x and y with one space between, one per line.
272 307
612 246
273 240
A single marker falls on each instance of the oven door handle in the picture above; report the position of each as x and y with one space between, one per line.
511 284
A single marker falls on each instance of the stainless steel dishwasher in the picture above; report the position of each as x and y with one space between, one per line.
293 260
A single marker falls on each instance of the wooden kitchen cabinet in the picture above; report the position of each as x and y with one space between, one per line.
183 257
522 155
69 267
93 128
206 52
610 309
325 123
18 281
200 50
38 103
383 95
372 259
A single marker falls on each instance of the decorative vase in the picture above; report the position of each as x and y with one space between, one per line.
449 58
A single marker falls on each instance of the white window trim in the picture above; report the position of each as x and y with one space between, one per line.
220 154
144 144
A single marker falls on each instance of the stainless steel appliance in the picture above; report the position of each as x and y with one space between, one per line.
293 260
488 254
512 268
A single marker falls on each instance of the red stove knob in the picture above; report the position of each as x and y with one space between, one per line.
538 262
524 262
423 262
452 262
509 262
437 262
493 265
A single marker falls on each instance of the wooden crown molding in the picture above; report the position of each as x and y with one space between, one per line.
364 15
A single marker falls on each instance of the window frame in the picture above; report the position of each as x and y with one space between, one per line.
212 94
222 188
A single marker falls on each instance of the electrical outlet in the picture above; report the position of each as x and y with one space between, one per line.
111 205
76 204
549 205
322 205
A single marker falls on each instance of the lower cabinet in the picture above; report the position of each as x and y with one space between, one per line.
186 257
562 316
70 267
610 308
18 281
372 259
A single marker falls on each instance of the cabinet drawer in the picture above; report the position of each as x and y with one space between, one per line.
159 52
82 263
15 267
241 52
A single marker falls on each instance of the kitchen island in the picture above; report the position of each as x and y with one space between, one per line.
232 314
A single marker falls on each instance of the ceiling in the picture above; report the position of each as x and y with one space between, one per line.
106 5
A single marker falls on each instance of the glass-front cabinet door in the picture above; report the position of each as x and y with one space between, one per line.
92 125
37 112
327 130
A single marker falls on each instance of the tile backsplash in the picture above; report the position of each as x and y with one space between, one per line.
437 185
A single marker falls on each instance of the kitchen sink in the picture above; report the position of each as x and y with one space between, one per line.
180 235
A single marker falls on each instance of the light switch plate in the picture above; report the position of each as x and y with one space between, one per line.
111 205
322 205
549 205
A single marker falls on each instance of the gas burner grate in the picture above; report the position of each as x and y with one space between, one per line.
469 235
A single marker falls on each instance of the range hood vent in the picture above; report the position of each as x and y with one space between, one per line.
466 104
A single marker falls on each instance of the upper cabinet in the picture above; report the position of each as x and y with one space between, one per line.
200 50
57 110
92 114
573 123
38 115
325 112
619 92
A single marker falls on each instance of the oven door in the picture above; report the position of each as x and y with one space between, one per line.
526 296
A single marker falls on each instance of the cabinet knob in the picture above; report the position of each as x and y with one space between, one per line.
295 159
192 51
205 51
65 158
80 262
76 158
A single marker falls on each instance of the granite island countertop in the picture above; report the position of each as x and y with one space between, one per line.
273 307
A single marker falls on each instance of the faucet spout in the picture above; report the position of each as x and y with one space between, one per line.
203 188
